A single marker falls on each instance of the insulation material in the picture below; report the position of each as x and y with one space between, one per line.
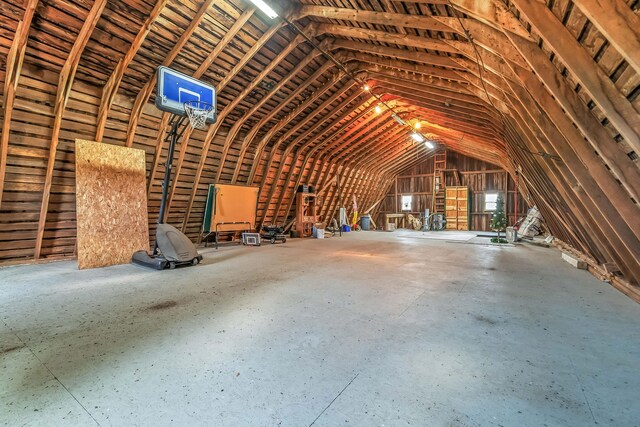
111 203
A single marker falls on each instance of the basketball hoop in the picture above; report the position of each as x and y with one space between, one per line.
198 112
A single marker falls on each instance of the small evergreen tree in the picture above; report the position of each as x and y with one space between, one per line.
499 220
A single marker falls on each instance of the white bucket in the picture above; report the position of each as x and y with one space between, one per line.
320 233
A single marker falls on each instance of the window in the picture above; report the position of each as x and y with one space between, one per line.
406 203
490 200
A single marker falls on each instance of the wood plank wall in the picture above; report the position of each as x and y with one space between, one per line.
27 161
479 176
560 106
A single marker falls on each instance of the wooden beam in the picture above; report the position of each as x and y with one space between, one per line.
236 127
443 24
360 128
382 127
395 53
65 83
589 206
248 139
276 211
211 57
599 86
15 57
147 89
254 82
479 113
621 165
310 140
489 61
213 129
285 154
292 114
160 139
385 37
461 96
445 117
390 7
618 23
283 122
429 70
600 206
576 153
444 86
110 88
224 41
338 126
494 14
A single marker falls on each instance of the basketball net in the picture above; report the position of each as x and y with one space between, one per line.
197 112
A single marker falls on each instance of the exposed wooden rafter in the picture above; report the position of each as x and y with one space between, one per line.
15 59
147 89
65 84
110 89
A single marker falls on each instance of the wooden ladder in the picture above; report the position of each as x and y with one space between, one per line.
439 167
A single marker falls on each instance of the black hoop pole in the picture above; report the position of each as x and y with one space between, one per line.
173 137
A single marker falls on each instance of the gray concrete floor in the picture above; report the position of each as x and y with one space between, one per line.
371 329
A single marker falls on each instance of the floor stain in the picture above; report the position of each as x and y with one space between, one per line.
162 305
485 319
10 349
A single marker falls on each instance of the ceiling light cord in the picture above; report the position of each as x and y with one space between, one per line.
481 68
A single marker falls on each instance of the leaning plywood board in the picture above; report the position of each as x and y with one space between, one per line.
111 203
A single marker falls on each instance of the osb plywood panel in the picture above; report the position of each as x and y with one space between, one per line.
111 203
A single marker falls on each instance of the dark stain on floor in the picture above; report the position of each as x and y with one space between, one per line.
484 319
162 305
10 349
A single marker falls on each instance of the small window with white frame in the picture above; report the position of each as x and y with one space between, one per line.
490 201
406 202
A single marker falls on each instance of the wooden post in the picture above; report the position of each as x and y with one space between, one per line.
396 194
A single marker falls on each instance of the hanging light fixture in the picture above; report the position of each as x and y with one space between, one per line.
378 109
417 124
260 4
366 88
417 137
398 119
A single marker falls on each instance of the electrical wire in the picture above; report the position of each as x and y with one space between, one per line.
479 61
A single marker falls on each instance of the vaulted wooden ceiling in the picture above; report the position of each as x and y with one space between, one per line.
547 90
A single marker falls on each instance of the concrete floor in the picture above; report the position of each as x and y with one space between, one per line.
369 330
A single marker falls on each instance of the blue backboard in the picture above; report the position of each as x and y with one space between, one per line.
174 89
